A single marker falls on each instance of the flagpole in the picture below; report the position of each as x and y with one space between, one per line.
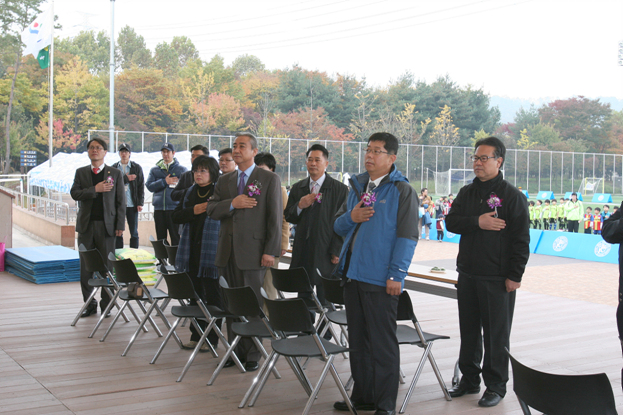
50 121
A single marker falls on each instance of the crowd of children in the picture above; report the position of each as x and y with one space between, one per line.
550 215
434 213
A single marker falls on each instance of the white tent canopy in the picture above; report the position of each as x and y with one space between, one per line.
61 176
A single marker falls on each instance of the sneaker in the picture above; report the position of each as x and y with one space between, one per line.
204 347
427 238
190 345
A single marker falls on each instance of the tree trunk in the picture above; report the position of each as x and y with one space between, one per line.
7 165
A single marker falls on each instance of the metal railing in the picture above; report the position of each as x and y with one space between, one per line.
43 206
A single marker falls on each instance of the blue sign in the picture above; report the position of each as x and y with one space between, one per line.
525 192
602 198
535 238
568 196
564 244
546 194
594 248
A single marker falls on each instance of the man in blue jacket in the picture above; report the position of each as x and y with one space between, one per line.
161 182
381 232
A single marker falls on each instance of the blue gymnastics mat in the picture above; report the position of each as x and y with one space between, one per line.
43 264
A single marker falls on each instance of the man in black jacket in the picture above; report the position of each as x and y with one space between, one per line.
312 205
134 186
491 215
613 233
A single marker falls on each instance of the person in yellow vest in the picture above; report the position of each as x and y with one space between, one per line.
553 215
573 210
588 221
537 214
531 213
562 220
545 214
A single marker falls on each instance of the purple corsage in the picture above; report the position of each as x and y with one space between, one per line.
368 198
494 203
110 180
254 189
318 198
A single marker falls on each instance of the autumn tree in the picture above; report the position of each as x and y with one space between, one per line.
299 124
145 100
81 99
245 65
445 133
63 139
260 89
580 118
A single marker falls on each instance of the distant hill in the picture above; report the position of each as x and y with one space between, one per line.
509 106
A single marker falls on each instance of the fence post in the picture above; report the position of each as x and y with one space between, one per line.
142 141
289 158
188 142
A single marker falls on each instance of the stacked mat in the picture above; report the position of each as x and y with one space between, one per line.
43 264
145 263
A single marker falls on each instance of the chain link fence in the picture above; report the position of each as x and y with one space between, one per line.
532 170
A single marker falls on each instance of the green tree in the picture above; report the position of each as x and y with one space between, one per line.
15 16
132 50
245 65
93 49
171 57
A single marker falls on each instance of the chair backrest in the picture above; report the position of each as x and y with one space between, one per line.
333 290
172 253
125 271
160 252
563 394
180 286
289 315
292 280
93 261
405 308
242 302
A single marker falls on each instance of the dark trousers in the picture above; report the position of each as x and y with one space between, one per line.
485 318
164 222
573 225
439 235
375 354
95 237
131 214
246 349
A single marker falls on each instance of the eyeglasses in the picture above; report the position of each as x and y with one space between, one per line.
482 159
96 148
225 160
375 152
202 171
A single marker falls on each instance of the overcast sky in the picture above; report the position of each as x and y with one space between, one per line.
520 49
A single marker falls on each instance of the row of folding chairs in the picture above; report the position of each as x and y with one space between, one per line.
280 328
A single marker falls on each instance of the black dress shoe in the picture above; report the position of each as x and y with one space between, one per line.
463 388
489 399
229 363
360 406
384 412
251 366
88 312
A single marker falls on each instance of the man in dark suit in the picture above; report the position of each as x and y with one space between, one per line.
100 194
312 205
249 204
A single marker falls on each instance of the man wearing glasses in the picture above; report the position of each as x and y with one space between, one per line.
491 215
380 226
100 194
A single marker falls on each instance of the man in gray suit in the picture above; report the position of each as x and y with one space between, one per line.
100 194
249 204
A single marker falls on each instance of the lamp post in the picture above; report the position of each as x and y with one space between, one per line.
111 127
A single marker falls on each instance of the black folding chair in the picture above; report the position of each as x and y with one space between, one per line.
102 280
161 254
242 302
334 293
171 253
289 316
416 337
562 394
181 288
125 271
